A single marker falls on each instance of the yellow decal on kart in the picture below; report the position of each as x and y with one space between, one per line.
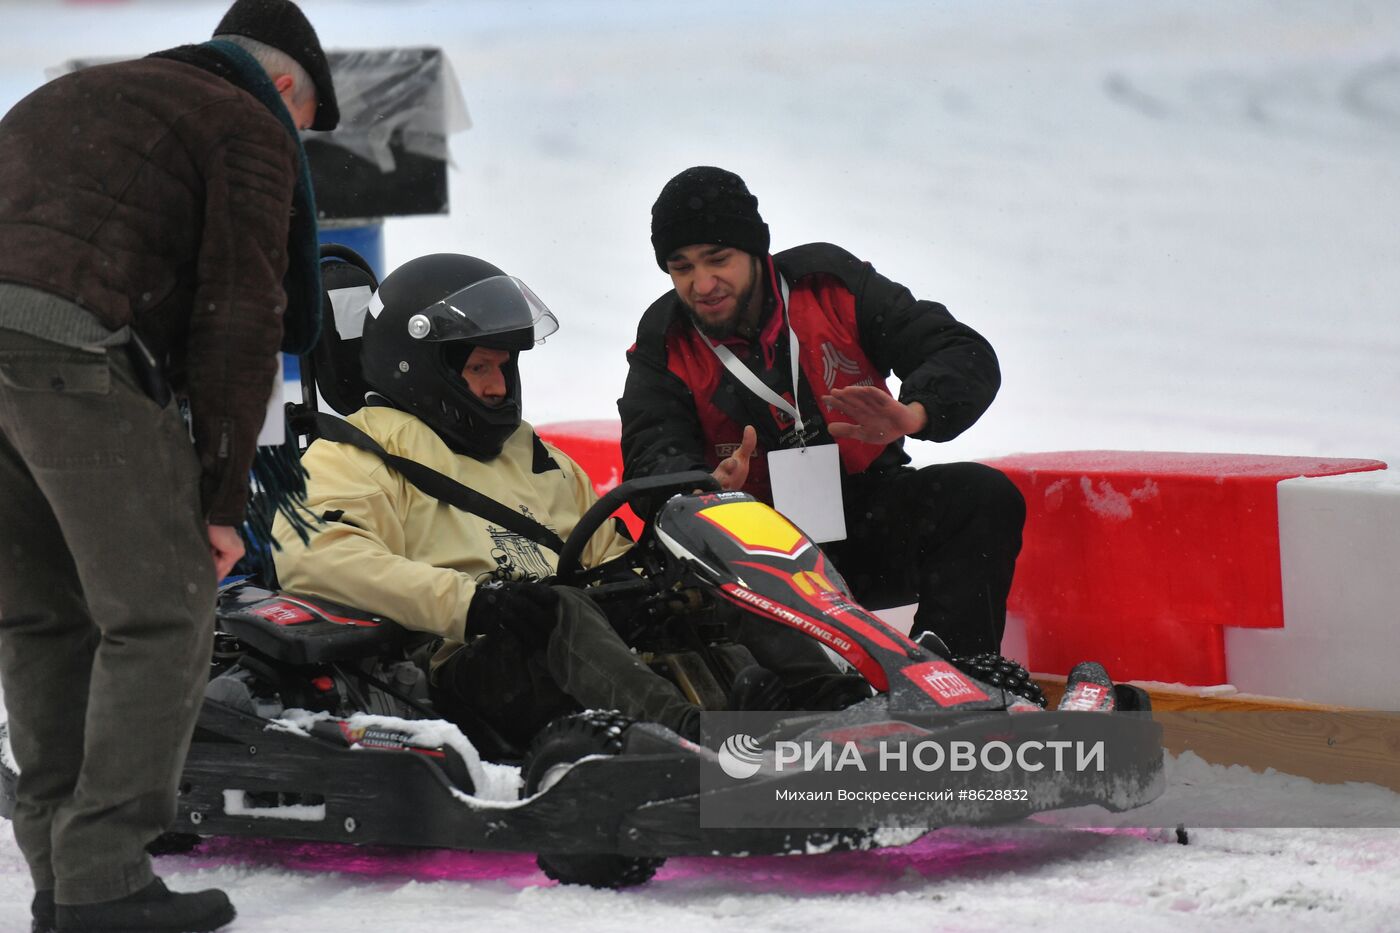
755 526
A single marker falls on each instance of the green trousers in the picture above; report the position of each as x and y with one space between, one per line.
106 612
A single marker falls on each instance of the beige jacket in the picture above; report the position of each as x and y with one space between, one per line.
384 546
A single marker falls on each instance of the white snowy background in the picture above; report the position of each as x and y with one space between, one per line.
1176 221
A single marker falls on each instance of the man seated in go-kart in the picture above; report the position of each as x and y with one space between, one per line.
440 352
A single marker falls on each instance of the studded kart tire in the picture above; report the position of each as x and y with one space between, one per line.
557 747
991 668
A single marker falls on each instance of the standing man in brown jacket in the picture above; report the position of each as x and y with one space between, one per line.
157 245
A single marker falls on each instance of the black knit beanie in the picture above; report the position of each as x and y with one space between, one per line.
280 24
706 205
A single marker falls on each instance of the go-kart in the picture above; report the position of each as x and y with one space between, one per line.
318 724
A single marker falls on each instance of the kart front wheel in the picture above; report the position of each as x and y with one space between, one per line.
558 746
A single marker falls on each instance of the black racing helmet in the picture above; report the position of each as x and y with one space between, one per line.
423 323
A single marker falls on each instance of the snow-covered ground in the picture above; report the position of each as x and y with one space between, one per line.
1176 222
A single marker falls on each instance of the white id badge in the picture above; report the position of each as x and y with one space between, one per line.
807 489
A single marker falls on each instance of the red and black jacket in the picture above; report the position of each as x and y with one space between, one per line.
682 410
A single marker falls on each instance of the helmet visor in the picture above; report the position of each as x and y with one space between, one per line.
494 306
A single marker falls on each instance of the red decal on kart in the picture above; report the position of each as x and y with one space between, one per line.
1087 697
845 611
340 620
284 614
859 658
945 683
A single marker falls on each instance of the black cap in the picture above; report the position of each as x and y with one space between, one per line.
705 204
280 24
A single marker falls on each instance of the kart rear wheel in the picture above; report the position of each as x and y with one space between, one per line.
558 746
174 844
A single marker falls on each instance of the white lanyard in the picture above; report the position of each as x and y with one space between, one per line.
753 383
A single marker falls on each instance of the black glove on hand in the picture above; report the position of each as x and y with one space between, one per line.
526 612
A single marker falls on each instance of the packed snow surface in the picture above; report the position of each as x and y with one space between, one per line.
1176 222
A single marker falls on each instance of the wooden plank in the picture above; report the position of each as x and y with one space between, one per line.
1327 744
1188 698
1330 747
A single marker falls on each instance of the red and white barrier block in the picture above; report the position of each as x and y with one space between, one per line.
1145 561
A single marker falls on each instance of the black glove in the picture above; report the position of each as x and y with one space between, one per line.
524 611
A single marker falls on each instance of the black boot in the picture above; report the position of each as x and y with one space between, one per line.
153 909
836 692
42 910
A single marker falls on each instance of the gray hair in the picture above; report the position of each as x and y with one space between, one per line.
277 62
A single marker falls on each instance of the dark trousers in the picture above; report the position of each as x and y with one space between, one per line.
106 612
946 535
811 678
585 665
516 691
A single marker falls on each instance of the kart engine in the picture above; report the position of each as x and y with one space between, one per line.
378 686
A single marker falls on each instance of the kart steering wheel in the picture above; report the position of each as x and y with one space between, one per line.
570 566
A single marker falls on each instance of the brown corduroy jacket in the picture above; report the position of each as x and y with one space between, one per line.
156 194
